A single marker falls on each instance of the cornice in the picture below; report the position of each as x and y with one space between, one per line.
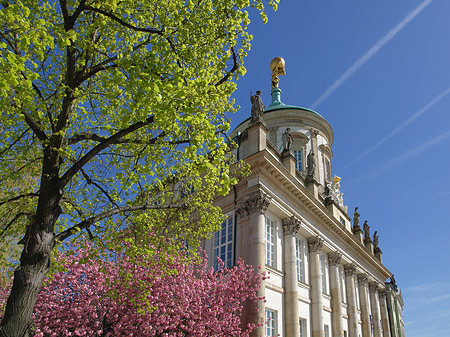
265 165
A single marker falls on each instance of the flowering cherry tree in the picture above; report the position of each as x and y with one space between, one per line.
160 295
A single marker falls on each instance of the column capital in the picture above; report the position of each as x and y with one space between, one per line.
315 244
291 225
382 294
373 287
334 258
362 279
350 269
258 201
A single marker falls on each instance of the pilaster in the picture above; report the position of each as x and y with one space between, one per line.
384 313
290 228
334 261
375 307
315 244
364 304
350 274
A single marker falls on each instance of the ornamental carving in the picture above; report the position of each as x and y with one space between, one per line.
315 244
256 202
373 287
362 279
291 225
382 294
334 258
350 269
333 192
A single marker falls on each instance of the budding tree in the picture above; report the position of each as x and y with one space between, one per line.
113 112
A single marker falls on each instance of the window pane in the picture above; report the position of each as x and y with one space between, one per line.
223 243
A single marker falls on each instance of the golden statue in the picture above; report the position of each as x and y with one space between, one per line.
278 68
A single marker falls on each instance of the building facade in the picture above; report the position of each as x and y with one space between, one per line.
326 276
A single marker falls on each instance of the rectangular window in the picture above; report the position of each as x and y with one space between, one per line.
271 323
223 244
299 259
323 273
270 242
302 325
298 154
326 331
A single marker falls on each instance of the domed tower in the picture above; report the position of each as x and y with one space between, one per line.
299 130
288 218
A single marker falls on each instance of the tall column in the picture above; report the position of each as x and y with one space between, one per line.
352 309
334 260
315 244
364 304
290 227
375 307
384 314
254 207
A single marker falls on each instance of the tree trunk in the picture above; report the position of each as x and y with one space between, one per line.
28 278
38 242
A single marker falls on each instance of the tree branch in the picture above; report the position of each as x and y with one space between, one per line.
18 215
103 65
17 197
14 142
100 147
34 126
92 182
232 70
118 210
124 23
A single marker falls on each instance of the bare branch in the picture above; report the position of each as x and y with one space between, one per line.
100 147
118 210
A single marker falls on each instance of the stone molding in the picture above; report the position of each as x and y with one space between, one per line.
350 269
334 258
363 279
315 244
314 132
382 294
373 287
255 202
291 225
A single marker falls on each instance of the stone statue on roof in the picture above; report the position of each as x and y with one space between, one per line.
356 217
257 105
366 229
310 164
375 239
287 139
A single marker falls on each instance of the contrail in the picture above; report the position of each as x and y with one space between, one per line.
369 54
399 128
406 156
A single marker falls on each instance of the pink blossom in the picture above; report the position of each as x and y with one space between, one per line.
118 297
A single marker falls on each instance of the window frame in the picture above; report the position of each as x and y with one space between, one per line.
223 243
300 260
270 242
271 323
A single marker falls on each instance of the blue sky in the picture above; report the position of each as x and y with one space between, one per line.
379 73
